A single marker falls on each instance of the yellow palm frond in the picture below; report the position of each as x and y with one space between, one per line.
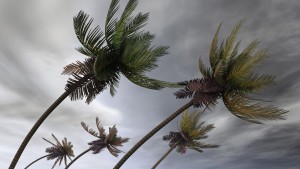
244 64
230 41
250 110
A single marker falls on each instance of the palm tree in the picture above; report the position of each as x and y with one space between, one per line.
229 77
109 141
121 49
189 136
59 151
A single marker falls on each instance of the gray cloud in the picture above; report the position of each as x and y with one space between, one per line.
37 40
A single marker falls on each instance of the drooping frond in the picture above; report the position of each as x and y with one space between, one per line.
146 82
250 110
91 39
79 67
83 84
203 91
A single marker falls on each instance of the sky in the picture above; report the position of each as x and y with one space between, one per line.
37 40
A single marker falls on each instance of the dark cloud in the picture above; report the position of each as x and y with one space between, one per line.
37 40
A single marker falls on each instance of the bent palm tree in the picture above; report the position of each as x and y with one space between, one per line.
191 131
231 78
59 151
109 141
122 49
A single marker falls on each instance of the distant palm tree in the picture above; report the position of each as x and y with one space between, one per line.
189 136
121 49
231 78
109 141
59 151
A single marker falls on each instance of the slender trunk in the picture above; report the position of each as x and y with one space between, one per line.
151 133
165 155
36 126
36 160
76 158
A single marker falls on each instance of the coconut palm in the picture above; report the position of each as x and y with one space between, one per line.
121 49
230 78
190 133
59 151
110 141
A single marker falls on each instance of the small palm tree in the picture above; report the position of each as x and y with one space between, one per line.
121 49
189 136
231 78
110 141
59 151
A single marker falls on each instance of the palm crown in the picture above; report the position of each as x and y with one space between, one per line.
231 78
121 48
190 133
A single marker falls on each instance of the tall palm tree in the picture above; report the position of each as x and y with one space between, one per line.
59 151
231 78
110 141
190 133
121 49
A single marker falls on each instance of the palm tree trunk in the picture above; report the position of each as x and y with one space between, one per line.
76 158
36 126
36 160
151 133
165 155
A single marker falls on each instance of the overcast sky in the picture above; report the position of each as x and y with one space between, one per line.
37 40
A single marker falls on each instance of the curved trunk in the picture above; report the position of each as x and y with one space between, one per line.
36 161
76 158
36 126
151 133
165 155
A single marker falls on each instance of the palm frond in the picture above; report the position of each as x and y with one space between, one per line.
79 67
100 128
245 63
230 41
203 91
250 110
89 130
136 23
213 57
110 22
120 28
139 56
92 40
206 72
143 81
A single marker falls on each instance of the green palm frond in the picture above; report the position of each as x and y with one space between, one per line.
91 39
110 22
120 27
250 110
136 23
139 56
146 82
